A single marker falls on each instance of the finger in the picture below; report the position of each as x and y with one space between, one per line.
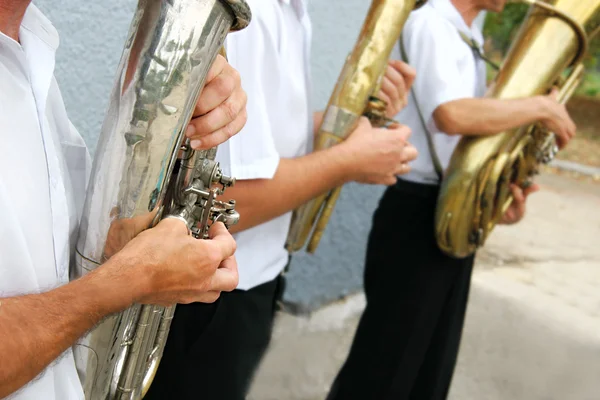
509 216
173 224
409 153
402 130
217 68
203 297
531 189
518 206
409 74
517 193
144 221
226 277
396 79
403 169
221 237
390 180
217 91
384 97
562 138
572 128
224 114
221 135
209 297
393 92
554 93
393 71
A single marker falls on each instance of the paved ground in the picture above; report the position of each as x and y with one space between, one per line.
533 324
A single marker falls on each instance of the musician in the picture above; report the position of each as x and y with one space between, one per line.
215 349
43 168
408 337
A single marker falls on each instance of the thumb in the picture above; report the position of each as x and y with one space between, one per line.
554 93
517 193
531 189
220 236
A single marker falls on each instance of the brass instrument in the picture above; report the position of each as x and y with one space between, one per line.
353 96
475 191
145 170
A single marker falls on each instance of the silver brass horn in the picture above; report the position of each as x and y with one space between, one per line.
144 171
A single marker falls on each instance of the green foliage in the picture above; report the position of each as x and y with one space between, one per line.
501 27
590 85
500 30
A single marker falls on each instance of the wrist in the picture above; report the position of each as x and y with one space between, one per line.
540 107
118 284
343 157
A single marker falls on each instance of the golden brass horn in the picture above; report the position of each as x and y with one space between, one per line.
475 191
351 98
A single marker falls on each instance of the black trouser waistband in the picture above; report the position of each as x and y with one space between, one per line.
418 189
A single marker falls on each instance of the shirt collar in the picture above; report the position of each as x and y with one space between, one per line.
39 41
449 11
36 23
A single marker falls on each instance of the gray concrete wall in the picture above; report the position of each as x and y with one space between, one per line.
92 35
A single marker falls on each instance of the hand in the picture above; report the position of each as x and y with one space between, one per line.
378 155
178 268
220 111
395 86
516 210
123 230
557 119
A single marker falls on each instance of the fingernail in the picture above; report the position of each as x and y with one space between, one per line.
195 143
190 130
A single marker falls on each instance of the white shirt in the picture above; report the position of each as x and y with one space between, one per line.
272 56
447 70
43 172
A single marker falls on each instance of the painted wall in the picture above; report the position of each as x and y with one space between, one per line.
92 36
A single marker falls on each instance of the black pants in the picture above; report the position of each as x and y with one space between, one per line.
408 337
213 349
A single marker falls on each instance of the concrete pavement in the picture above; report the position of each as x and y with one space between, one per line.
533 323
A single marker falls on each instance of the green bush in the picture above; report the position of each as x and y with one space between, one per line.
501 28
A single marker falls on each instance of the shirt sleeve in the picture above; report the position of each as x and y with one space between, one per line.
431 49
251 154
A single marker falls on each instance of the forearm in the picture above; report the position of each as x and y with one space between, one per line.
296 181
36 329
482 116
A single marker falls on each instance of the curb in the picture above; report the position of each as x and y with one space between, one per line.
576 167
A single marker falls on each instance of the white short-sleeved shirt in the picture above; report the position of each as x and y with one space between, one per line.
447 70
43 170
272 56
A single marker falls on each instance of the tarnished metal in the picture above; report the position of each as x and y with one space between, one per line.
145 170
475 192
352 97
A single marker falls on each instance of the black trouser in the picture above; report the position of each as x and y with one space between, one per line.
408 337
213 349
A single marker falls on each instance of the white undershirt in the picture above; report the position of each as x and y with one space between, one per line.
43 168
272 58
447 70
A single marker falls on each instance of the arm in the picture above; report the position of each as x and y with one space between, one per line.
296 181
448 102
162 265
487 116
35 329
369 155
